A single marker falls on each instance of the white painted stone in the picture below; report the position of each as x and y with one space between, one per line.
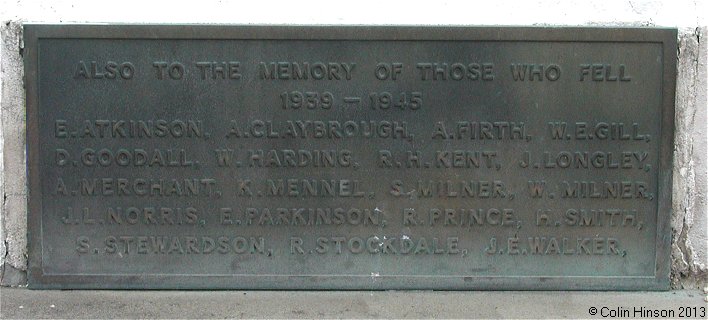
690 173
696 219
13 212
697 238
689 254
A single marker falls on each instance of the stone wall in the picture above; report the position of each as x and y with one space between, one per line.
690 214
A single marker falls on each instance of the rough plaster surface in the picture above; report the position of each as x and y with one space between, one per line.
13 210
689 254
690 261
698 237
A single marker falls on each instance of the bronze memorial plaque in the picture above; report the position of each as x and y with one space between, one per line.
296 157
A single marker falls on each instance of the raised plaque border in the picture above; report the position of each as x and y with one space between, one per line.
667 37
